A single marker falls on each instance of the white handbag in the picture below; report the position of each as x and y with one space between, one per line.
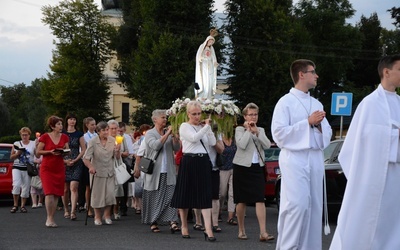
121 174
36 182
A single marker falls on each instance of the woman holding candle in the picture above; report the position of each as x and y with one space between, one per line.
119 140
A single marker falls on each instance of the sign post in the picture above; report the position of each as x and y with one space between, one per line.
341 105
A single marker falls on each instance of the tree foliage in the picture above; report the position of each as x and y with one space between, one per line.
364 73
22 106
76 83
335 43
395 12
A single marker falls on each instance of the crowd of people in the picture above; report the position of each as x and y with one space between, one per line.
189 179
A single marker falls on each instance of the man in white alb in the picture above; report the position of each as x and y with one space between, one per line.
370 158
300 129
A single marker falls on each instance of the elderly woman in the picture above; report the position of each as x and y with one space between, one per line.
248 170
160 185
20 178
52 169
193 188
120 189
99 157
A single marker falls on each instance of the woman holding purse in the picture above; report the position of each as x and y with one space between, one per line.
160 185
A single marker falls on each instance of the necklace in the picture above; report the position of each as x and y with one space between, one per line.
307 111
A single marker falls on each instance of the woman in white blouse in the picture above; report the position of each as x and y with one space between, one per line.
193 187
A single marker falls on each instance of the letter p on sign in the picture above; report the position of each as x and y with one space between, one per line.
341 104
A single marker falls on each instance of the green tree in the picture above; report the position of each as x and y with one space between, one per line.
395 12
32 103
160 64
76 83
11 96
336 43
5 118
260 53
364 72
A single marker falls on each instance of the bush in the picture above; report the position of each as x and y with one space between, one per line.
11 138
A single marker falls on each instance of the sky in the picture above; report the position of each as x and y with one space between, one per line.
26 44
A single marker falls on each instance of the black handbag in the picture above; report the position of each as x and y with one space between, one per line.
32 169
220 161
146 165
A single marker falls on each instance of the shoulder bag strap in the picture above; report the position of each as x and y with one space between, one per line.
257 148
201 140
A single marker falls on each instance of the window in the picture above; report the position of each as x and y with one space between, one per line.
125 112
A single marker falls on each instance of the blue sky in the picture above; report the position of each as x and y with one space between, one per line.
26 44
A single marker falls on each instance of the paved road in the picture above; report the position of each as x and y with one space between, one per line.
27 231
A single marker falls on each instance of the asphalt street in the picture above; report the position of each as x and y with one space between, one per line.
28 231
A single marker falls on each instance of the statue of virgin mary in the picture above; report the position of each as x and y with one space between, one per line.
206 68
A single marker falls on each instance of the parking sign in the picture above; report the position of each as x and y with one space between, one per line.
341 104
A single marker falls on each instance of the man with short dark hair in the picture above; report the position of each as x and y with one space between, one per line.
300 129
370 159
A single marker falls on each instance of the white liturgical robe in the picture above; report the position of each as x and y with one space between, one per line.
302 166
370 214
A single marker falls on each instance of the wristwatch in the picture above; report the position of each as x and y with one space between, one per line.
316 125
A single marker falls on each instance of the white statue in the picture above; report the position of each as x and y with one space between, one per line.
206 68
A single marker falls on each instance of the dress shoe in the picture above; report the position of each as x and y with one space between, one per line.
98 223
206 237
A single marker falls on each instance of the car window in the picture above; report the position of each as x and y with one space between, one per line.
272 154
5 153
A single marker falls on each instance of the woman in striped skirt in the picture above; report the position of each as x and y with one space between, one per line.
160 185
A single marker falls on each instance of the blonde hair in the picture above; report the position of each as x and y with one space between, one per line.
25 129
191 105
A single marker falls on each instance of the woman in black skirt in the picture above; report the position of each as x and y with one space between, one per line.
248 170
193 187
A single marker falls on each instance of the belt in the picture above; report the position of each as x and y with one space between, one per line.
195 155
20 168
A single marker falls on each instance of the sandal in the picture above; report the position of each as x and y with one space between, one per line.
73 216
174 227
23 210
266 237
216 229
198 227
232 222
14 209
242 236
67 215
155 229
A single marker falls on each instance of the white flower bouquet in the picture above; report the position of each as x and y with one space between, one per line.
223 113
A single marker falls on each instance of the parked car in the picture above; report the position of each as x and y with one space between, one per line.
6 165
271 172
335 178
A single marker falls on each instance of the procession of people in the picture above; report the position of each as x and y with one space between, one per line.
80 169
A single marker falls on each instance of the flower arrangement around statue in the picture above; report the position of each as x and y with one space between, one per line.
223 114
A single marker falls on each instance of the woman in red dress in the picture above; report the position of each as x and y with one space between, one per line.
52 170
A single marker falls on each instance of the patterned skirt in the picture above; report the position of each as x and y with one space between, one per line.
156 204
74 173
